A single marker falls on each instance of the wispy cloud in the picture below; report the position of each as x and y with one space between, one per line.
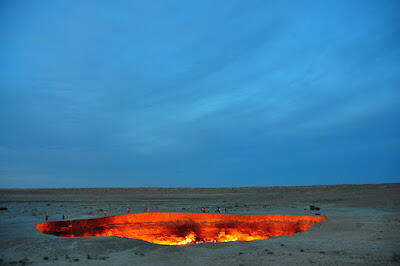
162 93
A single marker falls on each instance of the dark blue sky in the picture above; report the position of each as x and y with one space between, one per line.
199 93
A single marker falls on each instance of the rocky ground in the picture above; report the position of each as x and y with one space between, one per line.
363 226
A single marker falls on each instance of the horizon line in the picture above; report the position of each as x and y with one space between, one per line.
188 187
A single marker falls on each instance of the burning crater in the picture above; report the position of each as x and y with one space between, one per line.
184 228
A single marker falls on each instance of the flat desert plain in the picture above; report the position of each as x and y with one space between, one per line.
363 226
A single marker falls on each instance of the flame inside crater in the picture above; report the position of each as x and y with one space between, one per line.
184 228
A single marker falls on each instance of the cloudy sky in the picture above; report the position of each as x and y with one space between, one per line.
199 93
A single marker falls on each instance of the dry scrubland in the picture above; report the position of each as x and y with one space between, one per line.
363 226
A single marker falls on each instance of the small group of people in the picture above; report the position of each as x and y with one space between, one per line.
63 217
146 209
218 210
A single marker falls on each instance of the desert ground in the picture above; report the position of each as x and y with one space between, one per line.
363 226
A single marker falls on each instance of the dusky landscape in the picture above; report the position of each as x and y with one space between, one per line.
173 132
363 226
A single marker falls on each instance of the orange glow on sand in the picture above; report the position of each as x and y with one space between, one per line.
184 228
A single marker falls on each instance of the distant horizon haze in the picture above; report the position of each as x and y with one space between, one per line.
187 187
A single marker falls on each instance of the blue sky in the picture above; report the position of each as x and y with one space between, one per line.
199 93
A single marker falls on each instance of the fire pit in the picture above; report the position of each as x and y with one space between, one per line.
183 228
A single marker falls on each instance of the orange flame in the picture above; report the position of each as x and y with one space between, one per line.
184 228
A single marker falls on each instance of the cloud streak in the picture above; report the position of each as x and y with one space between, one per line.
199 94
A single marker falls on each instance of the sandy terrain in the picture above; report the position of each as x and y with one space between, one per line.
363 226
